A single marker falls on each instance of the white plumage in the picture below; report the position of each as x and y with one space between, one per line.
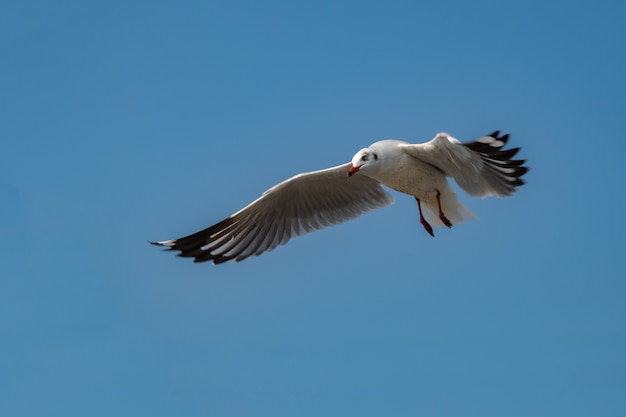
314 200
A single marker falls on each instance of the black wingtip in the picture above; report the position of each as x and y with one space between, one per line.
500 161
162 245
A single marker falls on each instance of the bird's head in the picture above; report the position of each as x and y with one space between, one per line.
364 160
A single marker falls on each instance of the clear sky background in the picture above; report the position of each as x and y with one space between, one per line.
123 122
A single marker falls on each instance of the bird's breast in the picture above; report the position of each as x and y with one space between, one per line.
414 177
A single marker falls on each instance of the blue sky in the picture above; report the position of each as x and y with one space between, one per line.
124 122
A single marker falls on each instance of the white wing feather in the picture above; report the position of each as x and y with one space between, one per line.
301 204
480 168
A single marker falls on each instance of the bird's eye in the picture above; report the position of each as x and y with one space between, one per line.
364 157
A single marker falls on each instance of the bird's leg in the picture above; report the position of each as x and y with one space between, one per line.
442 216
427 226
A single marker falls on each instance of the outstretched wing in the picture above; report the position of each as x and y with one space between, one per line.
481 168
301 204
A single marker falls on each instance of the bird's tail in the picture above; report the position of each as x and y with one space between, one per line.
452 208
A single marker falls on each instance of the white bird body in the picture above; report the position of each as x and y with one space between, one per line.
314 200
409 175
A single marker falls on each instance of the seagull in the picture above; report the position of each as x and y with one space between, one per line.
314 200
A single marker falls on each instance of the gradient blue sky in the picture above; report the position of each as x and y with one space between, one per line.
124 122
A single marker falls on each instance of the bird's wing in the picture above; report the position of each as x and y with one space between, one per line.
481 168
301 204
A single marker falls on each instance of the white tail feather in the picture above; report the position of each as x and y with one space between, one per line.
452 208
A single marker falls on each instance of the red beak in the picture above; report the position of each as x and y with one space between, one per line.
353 170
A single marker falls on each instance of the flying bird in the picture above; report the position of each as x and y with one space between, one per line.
315 200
